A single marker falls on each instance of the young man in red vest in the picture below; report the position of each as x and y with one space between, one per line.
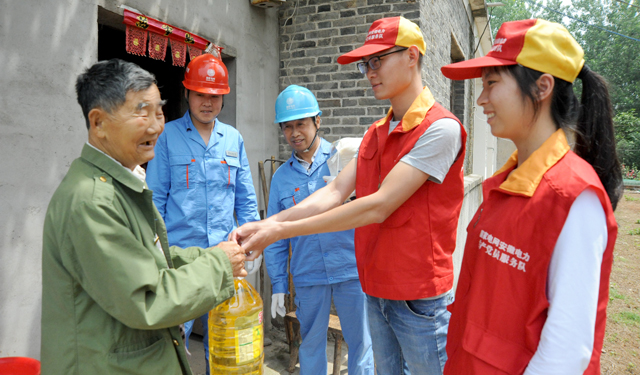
409 186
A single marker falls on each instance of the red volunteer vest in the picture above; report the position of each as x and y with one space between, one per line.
408 256
501 304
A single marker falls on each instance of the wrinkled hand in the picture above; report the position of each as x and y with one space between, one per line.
277 305
252 266
256 236
236 256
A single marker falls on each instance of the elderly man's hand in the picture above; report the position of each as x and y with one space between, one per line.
236 255
257 235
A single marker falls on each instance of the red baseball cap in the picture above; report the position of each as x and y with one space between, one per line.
384 34
540 45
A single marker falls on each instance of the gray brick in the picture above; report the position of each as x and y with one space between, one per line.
324 16
323 95
306 10
349 102
299 79
326 33
374 9
296 54
347 31
351 21
375 2
324 25
332 138
392 14
364 30
308 26
412 15
376 111
324 8
329 103
349 121
347 13
349 112
324 60
346 130
328 120
317 2
405 7
322 51
323 69
368 120
349 4
343 40
304 44
373 17
323 78
346 76
345 49
324 42
348 93
301 62
347 84
323 86
368 102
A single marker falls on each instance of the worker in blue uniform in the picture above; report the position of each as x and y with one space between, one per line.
200 173
323 265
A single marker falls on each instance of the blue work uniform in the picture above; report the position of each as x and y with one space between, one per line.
323 265
197 187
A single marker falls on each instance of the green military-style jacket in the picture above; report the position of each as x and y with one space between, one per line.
111 299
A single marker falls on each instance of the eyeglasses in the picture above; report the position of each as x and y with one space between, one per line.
374 62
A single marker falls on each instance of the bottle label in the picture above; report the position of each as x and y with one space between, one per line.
249 343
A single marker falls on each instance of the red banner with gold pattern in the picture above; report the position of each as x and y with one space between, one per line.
158 46
154 26
136 41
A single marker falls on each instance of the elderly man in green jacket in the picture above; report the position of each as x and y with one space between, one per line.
114 292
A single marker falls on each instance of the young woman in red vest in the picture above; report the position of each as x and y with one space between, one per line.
534 282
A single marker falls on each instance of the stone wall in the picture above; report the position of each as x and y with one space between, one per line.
313 33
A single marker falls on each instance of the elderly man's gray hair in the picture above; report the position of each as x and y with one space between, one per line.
105 85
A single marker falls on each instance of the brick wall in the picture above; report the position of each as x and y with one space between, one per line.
313 33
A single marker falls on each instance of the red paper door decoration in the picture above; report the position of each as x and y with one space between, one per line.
159 34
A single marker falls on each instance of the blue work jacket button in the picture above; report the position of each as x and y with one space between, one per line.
326 254
331 278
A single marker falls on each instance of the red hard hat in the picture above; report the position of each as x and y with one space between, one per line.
207 74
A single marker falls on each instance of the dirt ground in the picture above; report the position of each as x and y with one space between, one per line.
621 352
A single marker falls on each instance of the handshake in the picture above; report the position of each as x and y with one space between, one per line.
239 261
245 245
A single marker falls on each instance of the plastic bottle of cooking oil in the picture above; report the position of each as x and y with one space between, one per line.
236 333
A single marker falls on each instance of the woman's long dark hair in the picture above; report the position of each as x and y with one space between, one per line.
593 130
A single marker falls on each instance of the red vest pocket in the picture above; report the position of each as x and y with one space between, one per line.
496 351
398 218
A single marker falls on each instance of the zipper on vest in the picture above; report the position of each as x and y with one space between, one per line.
478 219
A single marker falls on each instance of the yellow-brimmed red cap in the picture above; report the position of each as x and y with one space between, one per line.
545 46
384 34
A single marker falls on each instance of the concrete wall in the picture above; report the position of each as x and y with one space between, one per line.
43 48
472 200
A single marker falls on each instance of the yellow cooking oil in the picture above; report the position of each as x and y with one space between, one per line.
236 333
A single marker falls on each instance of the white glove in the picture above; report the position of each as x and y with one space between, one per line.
277 305
253 266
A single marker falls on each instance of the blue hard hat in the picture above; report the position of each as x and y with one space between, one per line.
296 102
